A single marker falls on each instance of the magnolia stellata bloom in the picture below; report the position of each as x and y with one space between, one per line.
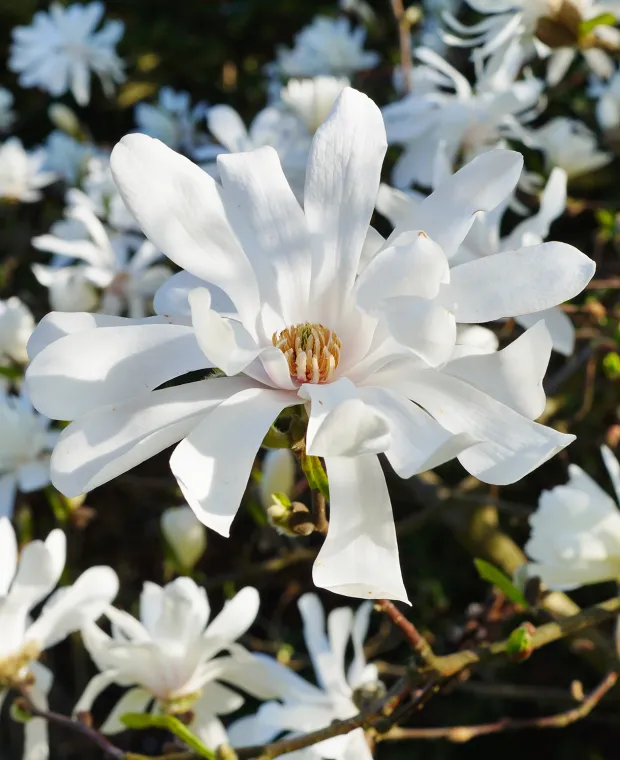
569 144
173 120
338 695
128 282
311 100
575 536
66 156
270 296
185 534
484 239
7 115
24 584
22 173
524 29
61 47
326 46
443 111
169 658
25 445
16 326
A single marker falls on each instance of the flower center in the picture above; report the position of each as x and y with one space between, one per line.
312 351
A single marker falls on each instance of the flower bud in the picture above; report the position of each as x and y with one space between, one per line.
367 694
185 534
278 475
63 118
290 519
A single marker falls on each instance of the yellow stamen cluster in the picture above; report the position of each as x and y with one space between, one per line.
13 671
312 351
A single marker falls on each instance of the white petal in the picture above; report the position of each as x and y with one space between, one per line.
36 745
133 701
112 439
93 689
426 327
358 636
448 213
122 362
8 552
342 181
558 323
513 375
178 206
272 228
227 127
36 576
212 465
8 489
360 554
33 476
613 468
172 296
512 283
329 671
237 616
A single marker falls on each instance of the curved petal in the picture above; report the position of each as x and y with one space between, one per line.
342 181
135 700
112 439
360 554
426 327
236 617
179 207
559 324
328 670
212 465
613 468
93 689
359 632
226 126
512 283
122 362
172 296
8 552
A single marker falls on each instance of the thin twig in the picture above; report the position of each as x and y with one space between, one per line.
319 512
417 642
404 39
466 733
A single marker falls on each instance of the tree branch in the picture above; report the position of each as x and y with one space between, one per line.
404 39
417 642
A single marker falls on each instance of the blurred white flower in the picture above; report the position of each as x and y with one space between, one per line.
128 282
298 326
173 120
22 173
7 115
24 584
311 100
304 707
329 46
67 157
169 659
484 239
25 445
575 536
185 534
569 144
16 326
608 101
104 197
278 475
443 112
61 47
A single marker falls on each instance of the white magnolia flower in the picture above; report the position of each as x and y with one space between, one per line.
168 658
277 475
608 101
569 144
511 30
185 534
16 326
7 115
60 49
24 584
305 707
173 120
311 100
444 112
128 282
576 531
484 239
327 46
25 445
104 197
67 157
22 173
270 296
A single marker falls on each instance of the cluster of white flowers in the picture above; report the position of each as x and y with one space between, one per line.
215 287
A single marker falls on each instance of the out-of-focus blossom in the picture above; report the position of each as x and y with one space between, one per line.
173 120
22 173
104 197
484 239
7 115
169 658
444 113
327 46
575 536
185 534
24 584
570 145
311 100
16 326
25 445
61 48
608 101
298 326
525 29
67 157
128 281
339 692
358 8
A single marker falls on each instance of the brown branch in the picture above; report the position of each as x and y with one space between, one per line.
417 642
319 512
466 733
404 39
